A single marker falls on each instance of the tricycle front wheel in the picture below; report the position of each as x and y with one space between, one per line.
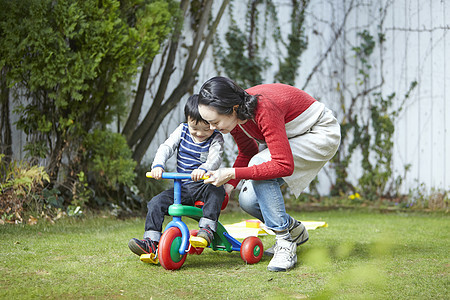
168 249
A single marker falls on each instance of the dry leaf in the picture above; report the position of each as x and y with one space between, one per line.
49 219
32 220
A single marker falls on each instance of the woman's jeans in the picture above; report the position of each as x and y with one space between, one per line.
263 200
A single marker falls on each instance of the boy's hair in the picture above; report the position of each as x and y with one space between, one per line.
191 110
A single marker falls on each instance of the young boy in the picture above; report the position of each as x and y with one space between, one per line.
199 150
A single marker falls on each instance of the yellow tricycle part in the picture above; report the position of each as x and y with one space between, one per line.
198 242
149 258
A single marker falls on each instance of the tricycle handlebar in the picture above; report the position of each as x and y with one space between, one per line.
170 175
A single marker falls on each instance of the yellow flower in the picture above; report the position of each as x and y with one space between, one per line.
354 196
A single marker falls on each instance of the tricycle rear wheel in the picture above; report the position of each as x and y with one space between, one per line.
252 250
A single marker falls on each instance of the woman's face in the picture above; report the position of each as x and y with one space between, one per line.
223 123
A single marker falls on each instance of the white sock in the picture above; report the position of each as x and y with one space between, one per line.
283 235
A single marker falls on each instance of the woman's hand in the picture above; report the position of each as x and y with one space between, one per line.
220 177
197 174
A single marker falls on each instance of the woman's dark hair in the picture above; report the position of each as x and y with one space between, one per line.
191 110
224 94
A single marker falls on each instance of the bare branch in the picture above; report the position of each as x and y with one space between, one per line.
330 47
418 29
133 117
193 53
210 36
161 65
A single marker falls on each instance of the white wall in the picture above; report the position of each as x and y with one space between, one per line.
416 49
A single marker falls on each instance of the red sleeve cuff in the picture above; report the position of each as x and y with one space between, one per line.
243 173
234 182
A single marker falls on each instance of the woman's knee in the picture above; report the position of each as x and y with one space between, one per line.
247 197
261 157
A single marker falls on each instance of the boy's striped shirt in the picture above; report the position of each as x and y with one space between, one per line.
206 155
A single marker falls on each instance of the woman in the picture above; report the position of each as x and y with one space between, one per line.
283 136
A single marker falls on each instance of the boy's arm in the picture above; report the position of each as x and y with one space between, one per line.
215 154
167 149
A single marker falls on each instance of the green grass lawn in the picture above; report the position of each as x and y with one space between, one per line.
361 255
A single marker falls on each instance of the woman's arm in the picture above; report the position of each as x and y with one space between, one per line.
247 148
281 164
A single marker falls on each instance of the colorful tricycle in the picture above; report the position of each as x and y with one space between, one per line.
174 244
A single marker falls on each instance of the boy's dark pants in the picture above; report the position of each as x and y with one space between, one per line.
211 195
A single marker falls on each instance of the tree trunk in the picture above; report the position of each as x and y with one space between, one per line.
5 124
144 133
133 118
56 157
144 143
159 97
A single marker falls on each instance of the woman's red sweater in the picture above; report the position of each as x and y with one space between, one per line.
278 104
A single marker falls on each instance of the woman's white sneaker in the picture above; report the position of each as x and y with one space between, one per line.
299 235
284 257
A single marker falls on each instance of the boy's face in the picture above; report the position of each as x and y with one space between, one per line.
200 131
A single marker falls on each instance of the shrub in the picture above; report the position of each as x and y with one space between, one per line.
109 164
19 181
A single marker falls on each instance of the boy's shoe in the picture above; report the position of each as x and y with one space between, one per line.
203 238
145 246
299 235
285 256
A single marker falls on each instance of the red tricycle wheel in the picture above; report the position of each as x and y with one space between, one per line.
168 247
252 250
225 202
194 250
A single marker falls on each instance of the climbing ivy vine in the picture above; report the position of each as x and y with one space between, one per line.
369 130
240 56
